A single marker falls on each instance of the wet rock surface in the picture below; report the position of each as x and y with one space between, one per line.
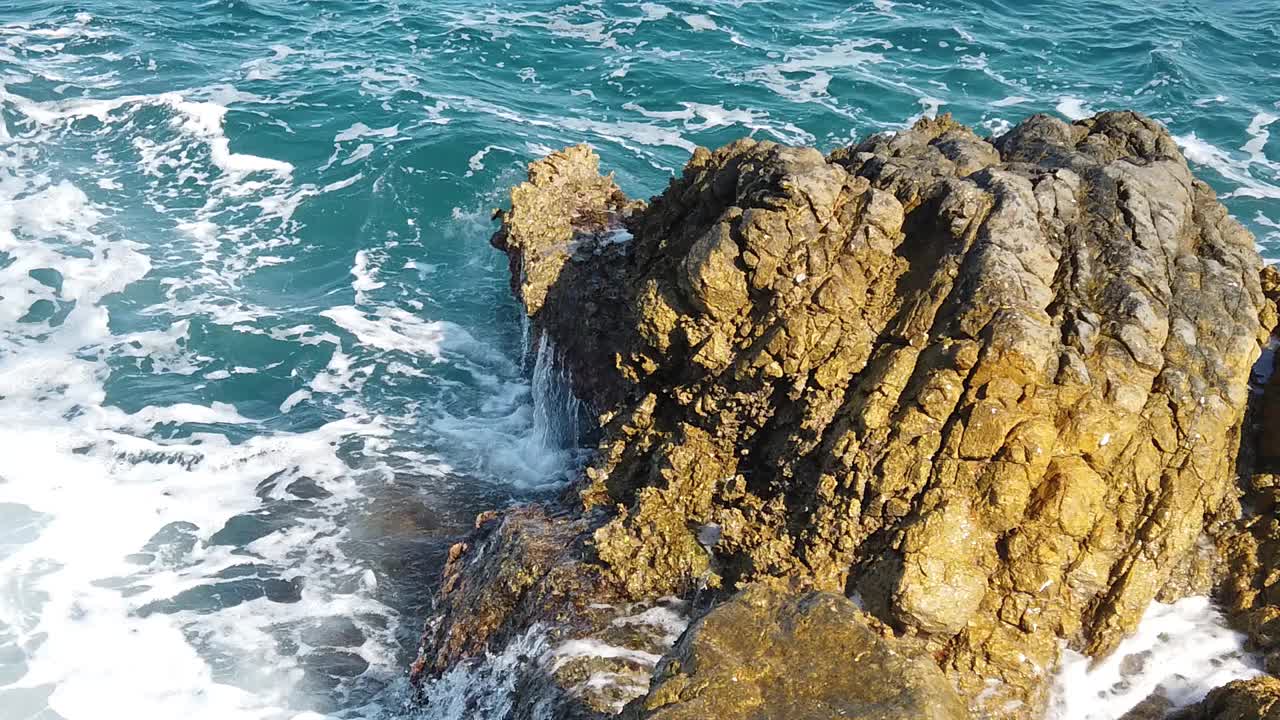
501 580
993 388
575 646
770 653
1256 699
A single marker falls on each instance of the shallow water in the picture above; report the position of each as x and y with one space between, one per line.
258 364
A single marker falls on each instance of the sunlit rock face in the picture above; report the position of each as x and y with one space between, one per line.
769 652
994 388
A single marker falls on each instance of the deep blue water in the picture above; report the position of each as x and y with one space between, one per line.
259 364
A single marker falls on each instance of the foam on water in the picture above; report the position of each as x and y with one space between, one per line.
259 366
182 558
1180 652
103 481
1242 171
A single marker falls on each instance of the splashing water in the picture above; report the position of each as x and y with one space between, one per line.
259 366
1180 652
556 410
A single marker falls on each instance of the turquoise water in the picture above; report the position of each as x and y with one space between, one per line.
259 364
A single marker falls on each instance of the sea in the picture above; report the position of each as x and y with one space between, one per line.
259 365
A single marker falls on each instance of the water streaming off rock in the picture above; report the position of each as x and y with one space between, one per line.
258 363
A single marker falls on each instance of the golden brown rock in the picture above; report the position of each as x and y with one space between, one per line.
994 388
1256 699
769 653
1249 568
1250 590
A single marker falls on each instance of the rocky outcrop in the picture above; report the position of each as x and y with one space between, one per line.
1256 699
769 653
993 388
576 648
501 580
565 238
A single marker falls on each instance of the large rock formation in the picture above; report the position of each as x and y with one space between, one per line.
993 388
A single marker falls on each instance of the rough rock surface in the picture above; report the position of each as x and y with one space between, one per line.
1250 591
1249 586
520 581
769 653
1256 699
994 388
500 580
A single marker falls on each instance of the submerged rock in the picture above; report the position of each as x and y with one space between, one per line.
994 388
768 653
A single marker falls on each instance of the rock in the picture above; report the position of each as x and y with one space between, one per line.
333 632
519 583
496 580
995 388
335 663
562 237
1249 584
1255 699
768 653
1248 562
1155 706
1250 589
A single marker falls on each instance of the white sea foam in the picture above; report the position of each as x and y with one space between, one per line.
362 151
488 689
366 278
187 627
1072 108
700 22
696 117
655 11
815 64
635 136
390 328
669 619
1181 651
268 68
204 120
1235 169
360 130
1258 136
1207 101
475 163
95 472
929 109
562 22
